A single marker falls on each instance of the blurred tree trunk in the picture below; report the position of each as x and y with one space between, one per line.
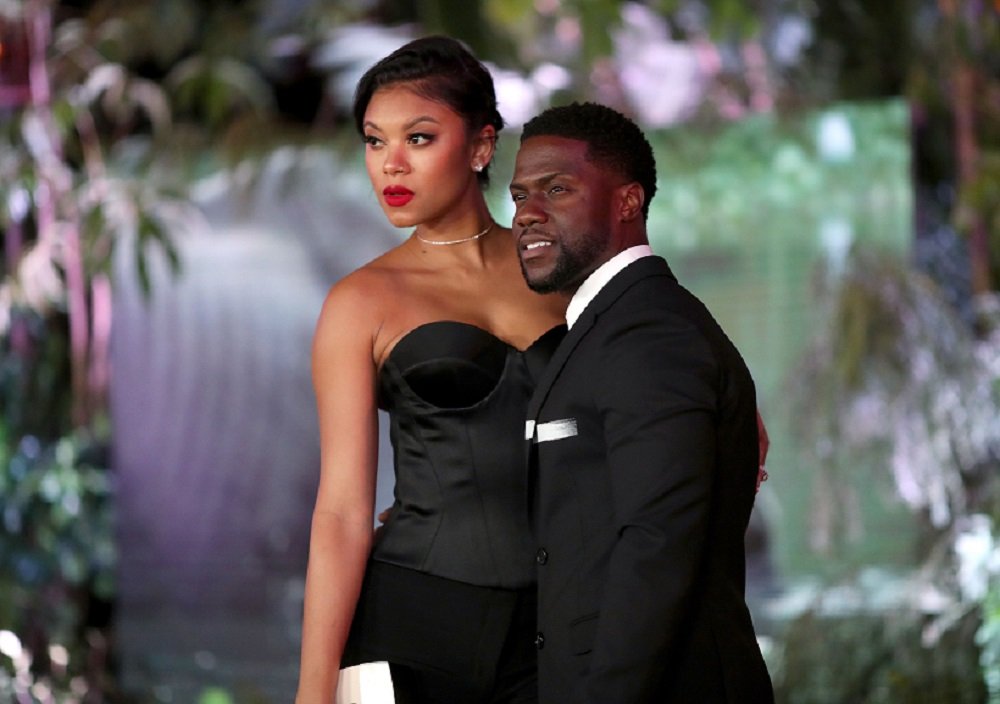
966 85
60 232
942 54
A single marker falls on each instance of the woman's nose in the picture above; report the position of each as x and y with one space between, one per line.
395 162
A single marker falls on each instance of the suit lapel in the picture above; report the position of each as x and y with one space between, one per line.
557 361
625 279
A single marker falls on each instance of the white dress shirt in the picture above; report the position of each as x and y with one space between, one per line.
599 278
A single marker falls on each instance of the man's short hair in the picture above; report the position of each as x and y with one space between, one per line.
613 140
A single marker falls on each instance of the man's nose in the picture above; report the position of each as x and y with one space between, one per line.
529 212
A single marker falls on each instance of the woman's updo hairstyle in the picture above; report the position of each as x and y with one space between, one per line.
441 69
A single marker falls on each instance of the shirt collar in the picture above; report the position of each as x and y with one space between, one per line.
599 278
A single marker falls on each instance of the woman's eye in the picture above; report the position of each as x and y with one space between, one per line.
421 138
372 141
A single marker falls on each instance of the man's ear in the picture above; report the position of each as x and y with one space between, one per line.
631 197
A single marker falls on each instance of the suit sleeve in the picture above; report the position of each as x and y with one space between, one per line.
657 400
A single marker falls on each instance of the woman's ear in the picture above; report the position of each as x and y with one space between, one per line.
483 147
631 197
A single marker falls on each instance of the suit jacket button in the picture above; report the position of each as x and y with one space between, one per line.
539 640
542 556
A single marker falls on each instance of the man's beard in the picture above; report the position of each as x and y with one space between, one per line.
571 268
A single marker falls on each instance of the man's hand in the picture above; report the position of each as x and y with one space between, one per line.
763 443
382 518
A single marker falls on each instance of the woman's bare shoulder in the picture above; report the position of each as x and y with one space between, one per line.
359 302
368 282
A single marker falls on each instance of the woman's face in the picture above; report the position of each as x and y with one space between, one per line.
419 157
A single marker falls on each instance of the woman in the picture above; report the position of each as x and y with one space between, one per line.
443 333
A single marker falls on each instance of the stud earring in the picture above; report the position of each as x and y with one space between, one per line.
477 167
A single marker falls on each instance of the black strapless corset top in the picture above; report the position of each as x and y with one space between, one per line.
457 398
449 364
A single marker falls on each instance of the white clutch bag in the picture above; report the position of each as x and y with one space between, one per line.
367 683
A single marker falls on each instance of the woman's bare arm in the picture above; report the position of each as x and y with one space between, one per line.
344 381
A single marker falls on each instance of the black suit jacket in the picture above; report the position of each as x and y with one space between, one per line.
642 468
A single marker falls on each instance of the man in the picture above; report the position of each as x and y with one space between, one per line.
643 440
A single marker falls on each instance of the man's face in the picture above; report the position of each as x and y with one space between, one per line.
563 213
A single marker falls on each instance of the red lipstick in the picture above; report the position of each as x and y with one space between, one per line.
397 196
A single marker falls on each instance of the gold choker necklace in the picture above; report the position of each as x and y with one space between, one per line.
459 241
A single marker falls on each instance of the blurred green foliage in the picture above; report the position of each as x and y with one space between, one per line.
714 177
988 640
57 559
877 658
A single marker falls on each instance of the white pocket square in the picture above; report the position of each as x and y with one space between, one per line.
550 430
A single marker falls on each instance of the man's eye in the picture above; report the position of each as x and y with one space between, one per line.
517 197
557 189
